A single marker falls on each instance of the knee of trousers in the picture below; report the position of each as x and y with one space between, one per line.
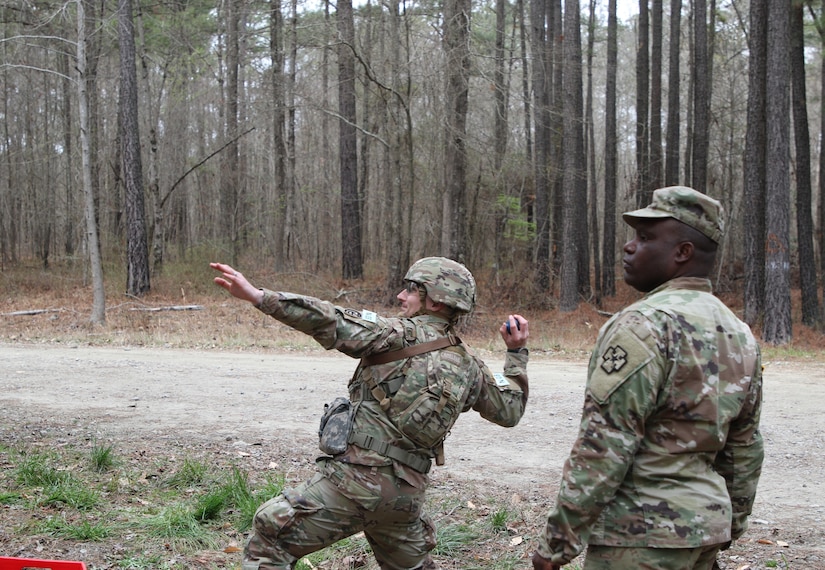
264 550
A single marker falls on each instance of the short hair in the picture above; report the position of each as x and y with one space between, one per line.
704 247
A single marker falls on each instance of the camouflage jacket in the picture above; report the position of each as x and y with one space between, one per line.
499 398
668 453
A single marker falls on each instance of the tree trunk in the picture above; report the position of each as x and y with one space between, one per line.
804 216
821 232
590 140
610 157
701 97
673 80
778 326
98 314
348 150
573 217
276 54
541 112
755 145
137 253
655 145
229 171
457 51
643 192
500 85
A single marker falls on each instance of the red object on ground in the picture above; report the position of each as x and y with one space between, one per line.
7 563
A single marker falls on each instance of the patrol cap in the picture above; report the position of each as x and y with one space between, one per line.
687 205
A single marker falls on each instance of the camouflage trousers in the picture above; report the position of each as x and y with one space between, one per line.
338 501
620 558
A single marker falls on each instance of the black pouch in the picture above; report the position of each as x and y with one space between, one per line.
336 426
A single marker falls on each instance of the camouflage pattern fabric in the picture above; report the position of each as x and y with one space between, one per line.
625 558
361 489
446 281
668 453
338 501
689 206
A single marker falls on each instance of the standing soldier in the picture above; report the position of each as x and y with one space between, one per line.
414 378
664 471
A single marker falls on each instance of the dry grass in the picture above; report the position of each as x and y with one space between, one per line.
64 296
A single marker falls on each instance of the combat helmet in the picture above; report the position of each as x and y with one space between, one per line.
446 281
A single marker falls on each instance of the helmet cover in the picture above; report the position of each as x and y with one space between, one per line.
446 281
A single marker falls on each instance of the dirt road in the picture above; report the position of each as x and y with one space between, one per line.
251 398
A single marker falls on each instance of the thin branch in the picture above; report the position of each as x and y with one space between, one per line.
188 172
33 68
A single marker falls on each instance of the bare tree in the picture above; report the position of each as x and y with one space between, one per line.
610 157
655 145
348 150
98 314
643 191
804 216
541 112
701 97
573 158
777 323
590 142
674 77
279 157
457 60
137 253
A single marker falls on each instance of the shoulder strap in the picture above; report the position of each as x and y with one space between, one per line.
412 350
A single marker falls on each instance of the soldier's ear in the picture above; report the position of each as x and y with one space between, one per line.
684 252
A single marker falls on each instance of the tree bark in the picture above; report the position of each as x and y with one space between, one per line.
777 325
573 216
655 145
701 97
804 217
755 145
279 182
98 314
674 78
610 157
137 253
352 265
456 46
643 192
541 113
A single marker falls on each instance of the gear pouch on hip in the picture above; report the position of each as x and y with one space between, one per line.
336 426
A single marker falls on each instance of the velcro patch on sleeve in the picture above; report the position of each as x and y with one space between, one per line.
621 356
364 315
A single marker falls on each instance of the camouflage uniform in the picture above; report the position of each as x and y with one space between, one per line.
665 467
364 489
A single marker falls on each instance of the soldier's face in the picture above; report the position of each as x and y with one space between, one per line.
410 300
649 258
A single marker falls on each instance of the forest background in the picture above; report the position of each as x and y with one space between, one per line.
342 142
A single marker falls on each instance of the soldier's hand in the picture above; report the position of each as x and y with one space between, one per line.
515 331
236 284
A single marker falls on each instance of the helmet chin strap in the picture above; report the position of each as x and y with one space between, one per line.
423 310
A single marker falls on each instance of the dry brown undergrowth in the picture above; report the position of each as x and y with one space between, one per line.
62 299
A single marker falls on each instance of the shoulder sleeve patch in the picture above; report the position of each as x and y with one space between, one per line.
620 357
364 315
501 380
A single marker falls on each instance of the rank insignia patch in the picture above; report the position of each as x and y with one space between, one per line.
614 359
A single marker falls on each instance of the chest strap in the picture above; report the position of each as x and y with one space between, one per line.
412 350
383 448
